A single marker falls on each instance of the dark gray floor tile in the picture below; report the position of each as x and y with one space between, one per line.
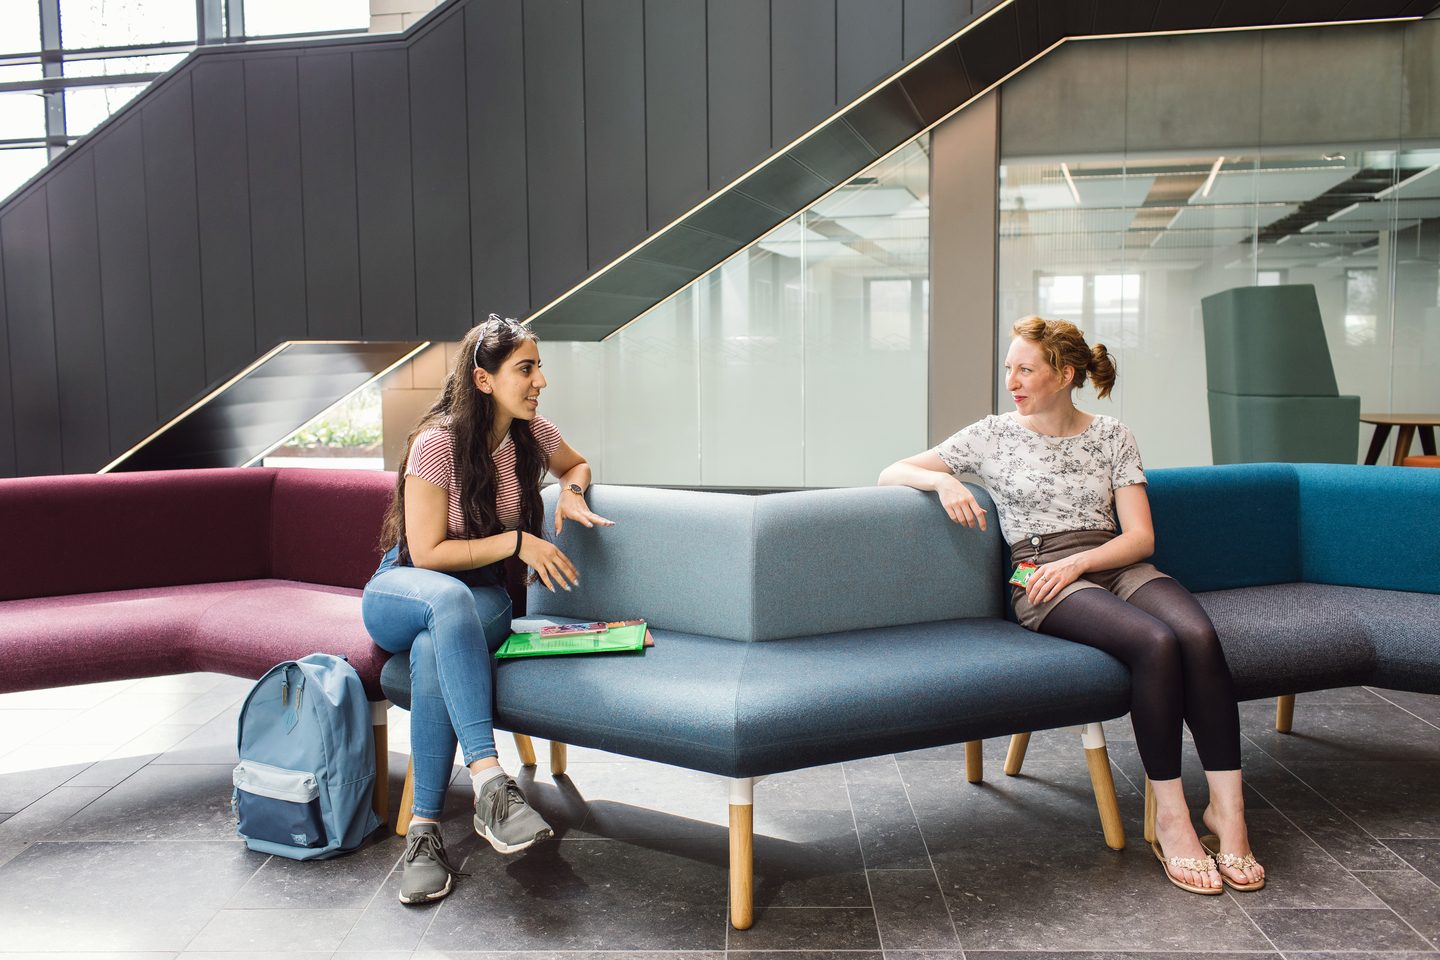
818 788
1357 955
427 954
1058 793
10 849
388 924
1119 955
1411 895
809 955
924 955
301 930
1426 706
1053 893
1336 930
20 788
589 895
872 770
1340 695
1387 799
118 896
809 928
110 771
910 910
1298 872
1343 839
348 881
638 800
1423 855
1365 732
46 818
161 802
809 858
889 834
210 742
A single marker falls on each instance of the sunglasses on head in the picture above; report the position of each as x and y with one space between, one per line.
488 326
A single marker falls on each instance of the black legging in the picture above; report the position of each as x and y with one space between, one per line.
1177 670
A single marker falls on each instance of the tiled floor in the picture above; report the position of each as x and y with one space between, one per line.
116 839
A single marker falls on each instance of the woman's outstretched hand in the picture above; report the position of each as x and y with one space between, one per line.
552 566
1050 578
960 503
572 506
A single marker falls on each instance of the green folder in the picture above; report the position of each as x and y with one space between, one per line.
614 640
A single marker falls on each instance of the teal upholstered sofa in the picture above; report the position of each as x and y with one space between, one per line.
806 628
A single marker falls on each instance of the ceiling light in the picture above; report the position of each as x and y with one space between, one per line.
1210 180
1070 182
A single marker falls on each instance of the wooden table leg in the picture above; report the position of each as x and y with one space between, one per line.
1402 443
1377 443
1427 440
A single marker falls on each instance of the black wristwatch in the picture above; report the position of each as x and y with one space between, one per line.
575 488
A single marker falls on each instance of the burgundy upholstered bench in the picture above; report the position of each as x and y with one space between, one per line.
132 575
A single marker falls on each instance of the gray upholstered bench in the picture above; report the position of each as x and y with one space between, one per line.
794 630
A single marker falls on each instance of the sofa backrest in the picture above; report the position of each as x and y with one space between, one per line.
754 568
89 533
1251 524
1370 526
1222 527
122 531
325 524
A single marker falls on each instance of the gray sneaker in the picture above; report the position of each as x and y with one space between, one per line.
503 817
427 875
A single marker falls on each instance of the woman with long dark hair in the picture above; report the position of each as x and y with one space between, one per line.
467 497
1061 478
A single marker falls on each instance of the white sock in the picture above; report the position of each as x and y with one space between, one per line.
478 780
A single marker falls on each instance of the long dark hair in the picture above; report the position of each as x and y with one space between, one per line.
469 413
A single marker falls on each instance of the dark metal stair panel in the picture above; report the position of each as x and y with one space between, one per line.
177 312
7 416
265 405
35 392
79 332
499 180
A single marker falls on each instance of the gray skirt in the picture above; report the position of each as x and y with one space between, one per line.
1122 581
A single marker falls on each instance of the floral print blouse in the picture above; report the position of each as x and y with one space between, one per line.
1046 484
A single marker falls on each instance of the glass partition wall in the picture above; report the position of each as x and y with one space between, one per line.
800 362
1287 167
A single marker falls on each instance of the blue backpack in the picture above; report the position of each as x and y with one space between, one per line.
307 761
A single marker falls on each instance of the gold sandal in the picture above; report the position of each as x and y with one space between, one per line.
1198 864
1234 862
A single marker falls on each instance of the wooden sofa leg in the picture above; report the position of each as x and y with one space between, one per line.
526 748
974 760
407 802
1149 811
380 727
1092 735
1284 712
559 757
1015 756
742 853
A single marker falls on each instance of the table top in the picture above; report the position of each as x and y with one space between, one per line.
1403 419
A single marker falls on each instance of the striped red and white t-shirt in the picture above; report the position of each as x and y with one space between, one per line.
432 458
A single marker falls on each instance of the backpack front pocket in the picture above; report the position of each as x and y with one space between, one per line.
278 805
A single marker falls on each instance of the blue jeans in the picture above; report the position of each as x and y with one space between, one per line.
450 628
